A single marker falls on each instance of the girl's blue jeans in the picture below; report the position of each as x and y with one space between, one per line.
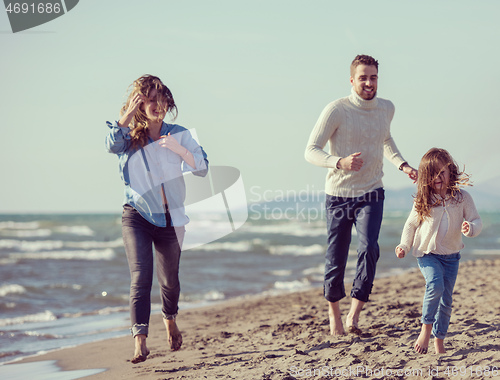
440 273
139 236
365 213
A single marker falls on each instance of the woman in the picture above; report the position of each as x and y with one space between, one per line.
152 157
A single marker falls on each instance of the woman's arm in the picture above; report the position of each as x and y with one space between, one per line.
118 138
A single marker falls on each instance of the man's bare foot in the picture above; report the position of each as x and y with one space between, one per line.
422 342
174 335
439 346
336 326
141 350
352 319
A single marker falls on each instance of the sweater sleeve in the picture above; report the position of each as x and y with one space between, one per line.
328 122
409 230
471 216
391 151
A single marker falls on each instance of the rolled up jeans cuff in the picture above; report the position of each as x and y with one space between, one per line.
139 329
169 316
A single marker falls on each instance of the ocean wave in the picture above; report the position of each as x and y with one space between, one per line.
11 289
31 246
295 229
76 230
292 285
242 246
19 225
95 254
104 311
281 272
319 269
50 245
211 295
43 232
297 250
45 316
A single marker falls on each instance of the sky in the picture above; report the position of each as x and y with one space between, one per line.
251 77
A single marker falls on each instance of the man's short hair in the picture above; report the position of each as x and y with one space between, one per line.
363 60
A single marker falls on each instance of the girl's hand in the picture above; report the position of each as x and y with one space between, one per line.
400 253
171 143
465 228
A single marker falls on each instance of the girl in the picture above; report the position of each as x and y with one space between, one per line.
152 156
441 213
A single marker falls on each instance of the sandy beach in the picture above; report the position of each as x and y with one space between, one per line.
286 337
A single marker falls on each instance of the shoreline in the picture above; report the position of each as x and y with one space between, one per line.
286 337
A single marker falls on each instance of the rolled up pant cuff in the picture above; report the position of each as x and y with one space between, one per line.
140 329
169 316
361 290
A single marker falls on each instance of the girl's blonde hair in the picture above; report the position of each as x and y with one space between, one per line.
140 123
429 169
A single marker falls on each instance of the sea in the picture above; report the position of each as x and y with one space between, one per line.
64 279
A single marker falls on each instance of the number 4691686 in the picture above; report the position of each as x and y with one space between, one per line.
32 8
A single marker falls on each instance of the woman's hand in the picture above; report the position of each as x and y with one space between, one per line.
132 109
400 253
171 143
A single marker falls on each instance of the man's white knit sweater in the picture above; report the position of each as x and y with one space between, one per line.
352 125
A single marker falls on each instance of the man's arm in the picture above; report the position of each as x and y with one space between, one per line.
325 127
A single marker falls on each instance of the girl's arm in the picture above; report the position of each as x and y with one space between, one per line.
408 233
472 225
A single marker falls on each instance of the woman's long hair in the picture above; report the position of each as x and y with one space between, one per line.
430 168
140 123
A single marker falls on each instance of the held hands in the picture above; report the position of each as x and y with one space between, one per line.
171 143
400 253
465 228
352 162
412 173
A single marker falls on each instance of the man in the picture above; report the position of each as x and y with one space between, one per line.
358 130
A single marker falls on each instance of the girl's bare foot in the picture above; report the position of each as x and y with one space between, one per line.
174 334
422 342
141 350
439 346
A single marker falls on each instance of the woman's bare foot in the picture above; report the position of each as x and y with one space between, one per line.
141 350
439 346
336 326
174 335
422 343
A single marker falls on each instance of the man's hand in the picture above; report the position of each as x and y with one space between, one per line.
412 173
352 162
